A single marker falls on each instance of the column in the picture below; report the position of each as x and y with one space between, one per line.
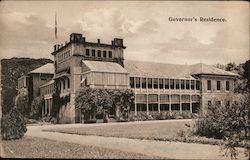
50 105
191 111
147 104
195 86
46 105
170 102
159 104
24 83
43 110
180 105
61 84
135 108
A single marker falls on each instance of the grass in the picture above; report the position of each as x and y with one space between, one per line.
163 131
30 147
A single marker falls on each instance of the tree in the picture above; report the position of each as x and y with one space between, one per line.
246 73
13 125
36 108
91 101
85 101
230 123
22 104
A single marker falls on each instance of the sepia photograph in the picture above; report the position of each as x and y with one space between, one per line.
125 79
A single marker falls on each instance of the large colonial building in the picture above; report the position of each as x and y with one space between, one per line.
158 87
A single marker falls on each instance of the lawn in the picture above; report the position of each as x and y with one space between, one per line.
141 131
163 131
30 147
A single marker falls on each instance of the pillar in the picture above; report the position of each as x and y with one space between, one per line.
135 107
180 105
191 110
46 105
170 103
147 104
159 104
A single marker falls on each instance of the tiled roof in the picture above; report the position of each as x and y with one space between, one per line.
163 70
47 68
48 83
201 68
100 66
160 70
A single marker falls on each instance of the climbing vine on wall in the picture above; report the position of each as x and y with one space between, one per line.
57 103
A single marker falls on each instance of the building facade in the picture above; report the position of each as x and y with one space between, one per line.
158 87
30 84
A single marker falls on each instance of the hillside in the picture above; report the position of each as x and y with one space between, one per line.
11 70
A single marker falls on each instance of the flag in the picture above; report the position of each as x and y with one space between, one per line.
55 27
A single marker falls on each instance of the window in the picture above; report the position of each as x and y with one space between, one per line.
166 83
177 84
137 81
228 103
156 83
105 54
227 85
171 83
197 85
110 54
99 53
182 84
87 52
209 85
150 83
132 83
218 85
161 83
187 84
93 52
143 82
192 84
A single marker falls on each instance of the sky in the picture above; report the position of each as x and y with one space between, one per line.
28 29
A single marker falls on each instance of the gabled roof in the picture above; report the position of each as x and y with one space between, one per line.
47 68
101 66
160 70
164 70
201 68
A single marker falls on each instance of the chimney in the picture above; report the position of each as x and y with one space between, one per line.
61 45
66 42
98 41
112 42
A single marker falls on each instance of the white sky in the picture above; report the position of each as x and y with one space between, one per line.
27 29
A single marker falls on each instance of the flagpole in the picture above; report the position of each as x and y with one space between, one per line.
56 37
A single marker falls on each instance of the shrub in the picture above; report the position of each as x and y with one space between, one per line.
186 114
36 108
230 123
13 125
